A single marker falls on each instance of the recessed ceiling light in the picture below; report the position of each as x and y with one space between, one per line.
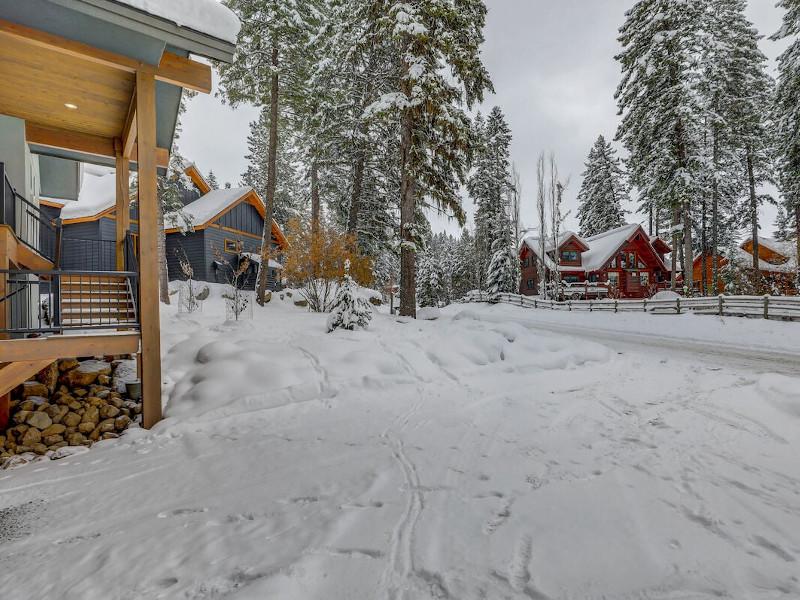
71 106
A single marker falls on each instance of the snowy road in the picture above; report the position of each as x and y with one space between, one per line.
466 458
660 339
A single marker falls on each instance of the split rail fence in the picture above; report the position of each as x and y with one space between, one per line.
767 307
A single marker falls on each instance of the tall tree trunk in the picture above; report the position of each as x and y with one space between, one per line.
163 276
676 219
650 229
688 251
408 292
269 201
358 182
314 199
751 179
797 236
704 251
715 217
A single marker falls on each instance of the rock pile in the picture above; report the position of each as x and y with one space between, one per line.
70 403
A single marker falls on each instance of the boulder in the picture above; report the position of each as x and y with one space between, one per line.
76 439
30 438
303 303
21 416
109 412
71 420
122 423
53 430
49 376
85 374
27 405
92 415
62 412
86 428
66 364
39 420
51 440
40 449
34 388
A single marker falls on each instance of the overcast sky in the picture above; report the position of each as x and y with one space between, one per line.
553 68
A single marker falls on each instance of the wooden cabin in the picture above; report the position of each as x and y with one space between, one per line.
623 261
98 82
777 266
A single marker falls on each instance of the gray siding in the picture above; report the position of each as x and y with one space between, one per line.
76 253
217 237
194 246
245 218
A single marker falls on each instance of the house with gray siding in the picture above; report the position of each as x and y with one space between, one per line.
215 227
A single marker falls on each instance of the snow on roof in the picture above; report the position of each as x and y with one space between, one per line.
98 194
205 208
782 248
745 259
205 16
603 245
256 258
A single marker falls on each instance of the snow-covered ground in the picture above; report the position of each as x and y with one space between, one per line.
479 455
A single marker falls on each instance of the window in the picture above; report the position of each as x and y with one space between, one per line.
593 277
569 256
644 279
234 246
526 263
631 260
614 263
530 284
641 264
613 280
571 278
623 262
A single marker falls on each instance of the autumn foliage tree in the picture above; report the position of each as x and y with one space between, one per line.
315 262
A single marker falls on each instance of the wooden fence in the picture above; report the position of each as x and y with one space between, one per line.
767 307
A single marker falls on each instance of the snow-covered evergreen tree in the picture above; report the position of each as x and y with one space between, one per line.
787 117
662 117
602 192
266 70
504 268
429 281
437 43
350 310
211 180
490 188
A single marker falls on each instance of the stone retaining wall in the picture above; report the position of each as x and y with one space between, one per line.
69 403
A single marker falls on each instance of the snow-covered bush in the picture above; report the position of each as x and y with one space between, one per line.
350 309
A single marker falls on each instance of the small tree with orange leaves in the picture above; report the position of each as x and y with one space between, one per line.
315 263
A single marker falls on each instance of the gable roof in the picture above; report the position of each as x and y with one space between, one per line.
208 208
97 198
600 248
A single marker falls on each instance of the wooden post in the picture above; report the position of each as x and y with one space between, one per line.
720 304
5 410
4 264
148 248
766 306
678 305
123 204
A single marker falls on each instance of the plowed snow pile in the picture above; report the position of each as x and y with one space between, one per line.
469 457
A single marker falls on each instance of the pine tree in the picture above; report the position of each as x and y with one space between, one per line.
504 269
490 186
350 310
787 116
431 37
264 71
602 192
211 180
662 117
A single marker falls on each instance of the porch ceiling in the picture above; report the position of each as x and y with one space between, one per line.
37 84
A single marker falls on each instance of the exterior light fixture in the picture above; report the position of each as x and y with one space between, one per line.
71 106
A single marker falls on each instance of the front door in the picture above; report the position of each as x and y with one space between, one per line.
633 287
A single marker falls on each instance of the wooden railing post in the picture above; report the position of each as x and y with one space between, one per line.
766 306
721 302
678 305
616 305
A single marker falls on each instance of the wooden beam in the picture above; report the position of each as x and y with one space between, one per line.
148 249
85 143
173 69
60 346
162 156
16 373
5 410
123 220
129 131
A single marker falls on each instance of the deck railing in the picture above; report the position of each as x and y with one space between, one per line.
32 228
767 307
37 302
88 255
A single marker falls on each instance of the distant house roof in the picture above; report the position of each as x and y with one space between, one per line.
97 197
785 249
599 250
